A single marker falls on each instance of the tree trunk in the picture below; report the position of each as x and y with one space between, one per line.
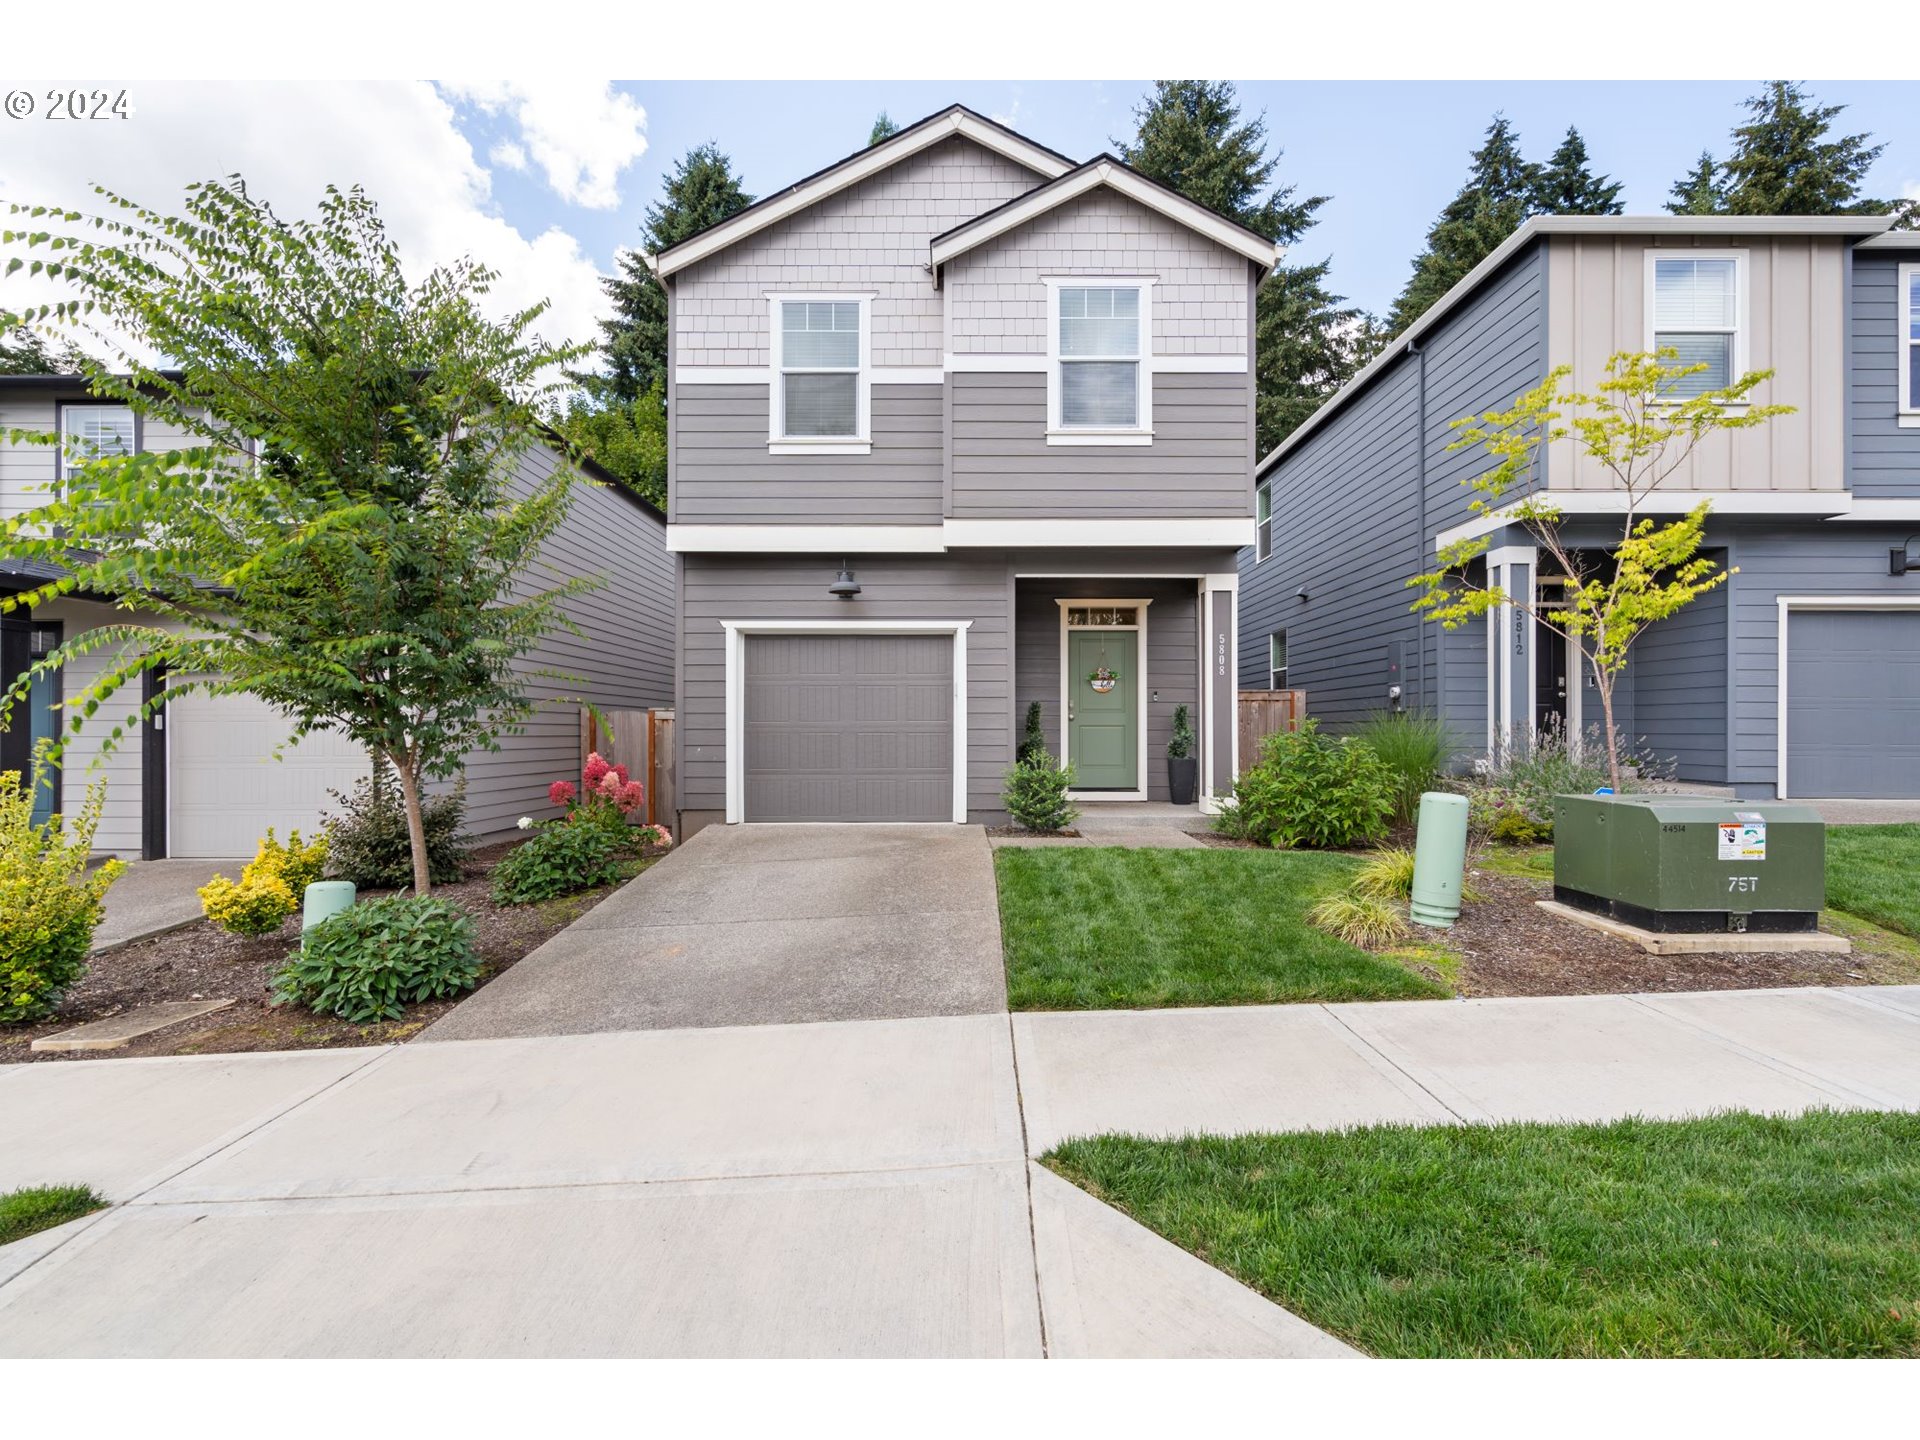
1604 684
416 823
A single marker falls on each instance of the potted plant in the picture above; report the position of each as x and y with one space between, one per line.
1183 769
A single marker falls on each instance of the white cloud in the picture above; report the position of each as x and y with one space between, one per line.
509 154
1911 190
581 135
290 139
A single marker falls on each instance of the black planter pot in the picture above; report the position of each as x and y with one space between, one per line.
1183 779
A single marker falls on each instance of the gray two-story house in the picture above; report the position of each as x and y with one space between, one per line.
957 425
1800 676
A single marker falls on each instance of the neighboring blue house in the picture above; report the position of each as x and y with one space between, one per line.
1800 677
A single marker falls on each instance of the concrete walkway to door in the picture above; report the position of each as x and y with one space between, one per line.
759 925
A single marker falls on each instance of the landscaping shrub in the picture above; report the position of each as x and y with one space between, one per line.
606 797
367 841
372 960
1036 794
1513 826
1034 742
1311 792
49 904
1180 742
1359 920
560 859
1415 747
269 888
1386 875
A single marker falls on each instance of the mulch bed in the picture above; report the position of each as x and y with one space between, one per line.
202 962
1509 946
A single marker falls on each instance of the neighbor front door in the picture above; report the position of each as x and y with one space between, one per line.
1103 719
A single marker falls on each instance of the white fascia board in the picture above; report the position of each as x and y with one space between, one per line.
1573 504
806 539
1888 510
1176 208
1225 533
1200 364
851 172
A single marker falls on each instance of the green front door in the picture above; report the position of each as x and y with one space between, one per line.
1103 722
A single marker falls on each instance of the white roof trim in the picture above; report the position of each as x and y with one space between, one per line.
1572 504
1114 177
1703 225
852 171
1892 240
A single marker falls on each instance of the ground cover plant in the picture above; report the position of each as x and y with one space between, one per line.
41 1207
1733 1235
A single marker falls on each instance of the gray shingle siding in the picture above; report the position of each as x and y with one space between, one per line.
1883 458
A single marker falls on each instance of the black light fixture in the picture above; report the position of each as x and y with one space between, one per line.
1301 594
844 585
1901 558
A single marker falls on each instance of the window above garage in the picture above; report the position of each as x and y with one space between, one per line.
821 387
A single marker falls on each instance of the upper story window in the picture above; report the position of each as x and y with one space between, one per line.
1099 387
89 431
822 382
1697 305
1263 522
1910 342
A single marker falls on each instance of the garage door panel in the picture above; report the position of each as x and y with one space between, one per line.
849 727
1853 704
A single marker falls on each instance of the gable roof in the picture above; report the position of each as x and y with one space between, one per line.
1845 227
901 145
1103 172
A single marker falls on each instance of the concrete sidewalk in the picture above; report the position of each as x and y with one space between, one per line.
155 896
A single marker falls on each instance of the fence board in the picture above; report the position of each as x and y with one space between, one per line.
1264 713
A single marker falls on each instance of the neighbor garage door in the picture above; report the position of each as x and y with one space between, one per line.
224 788
1853 704
849 727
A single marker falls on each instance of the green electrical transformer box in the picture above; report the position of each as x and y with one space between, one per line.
1690 863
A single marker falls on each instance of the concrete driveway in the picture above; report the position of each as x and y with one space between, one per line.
155 896
759 925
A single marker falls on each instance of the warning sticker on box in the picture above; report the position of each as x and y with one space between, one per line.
1743 840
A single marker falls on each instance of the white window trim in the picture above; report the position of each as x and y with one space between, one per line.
1905 315
1140 433
1260 556
778 441
1787 605
1272 635
1141 689
1742 312
736 695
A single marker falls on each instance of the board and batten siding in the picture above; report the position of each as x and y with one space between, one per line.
1173 659
1885 457
870 237
1349 528
1003 467
1796 313
725 474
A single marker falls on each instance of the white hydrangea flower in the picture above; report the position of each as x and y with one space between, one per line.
525 822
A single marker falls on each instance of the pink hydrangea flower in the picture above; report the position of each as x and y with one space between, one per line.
596 770
561 792
632 796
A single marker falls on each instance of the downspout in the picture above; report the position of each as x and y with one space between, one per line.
1418 349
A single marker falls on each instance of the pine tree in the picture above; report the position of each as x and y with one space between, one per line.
1782 162
1568 185
700 193
1307 340
1699 192
883 126
1502 190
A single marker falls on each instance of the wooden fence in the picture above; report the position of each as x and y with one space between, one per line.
641 740
1266 712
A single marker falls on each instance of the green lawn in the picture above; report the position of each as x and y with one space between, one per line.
1873 871
1737 1235
1104 929
26 1212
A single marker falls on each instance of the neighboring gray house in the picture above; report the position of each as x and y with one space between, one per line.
1799 677
1011 398
204 781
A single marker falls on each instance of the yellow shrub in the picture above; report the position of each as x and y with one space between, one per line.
295 864
256 905
49 900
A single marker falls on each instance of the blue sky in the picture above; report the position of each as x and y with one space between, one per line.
1389 154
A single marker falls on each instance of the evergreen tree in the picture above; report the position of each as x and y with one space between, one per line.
1568 185
1783 162
626 438
700 193
1502 190
1698 192
23 352
1307 340
883 126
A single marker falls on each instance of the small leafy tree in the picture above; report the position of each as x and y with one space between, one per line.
345 534
1639 429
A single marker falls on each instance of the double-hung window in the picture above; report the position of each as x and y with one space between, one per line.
821 383
1263 522
1277 660
1696 307
1099 386
89 432
1909 338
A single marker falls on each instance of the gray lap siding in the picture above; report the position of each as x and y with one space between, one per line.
1883 458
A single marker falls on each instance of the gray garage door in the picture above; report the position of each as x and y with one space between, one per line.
849 727
1853 704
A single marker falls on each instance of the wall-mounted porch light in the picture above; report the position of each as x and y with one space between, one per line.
844 585
1901 558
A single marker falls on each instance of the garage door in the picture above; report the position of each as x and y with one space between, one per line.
849 727
224 788
1853 704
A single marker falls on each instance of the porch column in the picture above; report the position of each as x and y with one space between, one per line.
1220 738
1510 675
